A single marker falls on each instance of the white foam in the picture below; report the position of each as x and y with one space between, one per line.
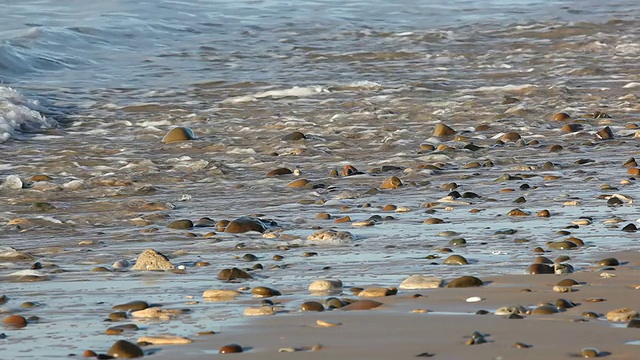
19 114
275 94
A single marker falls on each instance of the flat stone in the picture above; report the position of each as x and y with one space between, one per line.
126 350
622 315
233 274
7 253
331 236
417 282
589 352
132 306
300 184
377 292
562 245
152 260
294 136
465 281
180 224
259 311
165 340
442 130
361 305
279 172
220 294
157 313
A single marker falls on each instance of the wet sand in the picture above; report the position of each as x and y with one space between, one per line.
396 331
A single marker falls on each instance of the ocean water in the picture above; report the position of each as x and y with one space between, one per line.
88 90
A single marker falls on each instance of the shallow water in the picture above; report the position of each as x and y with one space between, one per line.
89 91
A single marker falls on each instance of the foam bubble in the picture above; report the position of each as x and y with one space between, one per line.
19 114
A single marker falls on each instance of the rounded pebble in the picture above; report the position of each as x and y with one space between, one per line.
230 349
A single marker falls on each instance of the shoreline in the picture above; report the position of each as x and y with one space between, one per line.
395 331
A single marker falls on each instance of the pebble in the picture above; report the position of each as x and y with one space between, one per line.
126 350
300 183
537 269
442 130
465 281
245 224
511 309
562 245
12 182
417 282
132 306
456 260
392 182
377 292
279 172
14 321
544 310
230 349
331 236
322 323
220 294
622 315
608 262
264 292
294 136
325 286
474 299
260 311
567 282
165 340
311 306
634 323
151 260
543 213
181 224
118 329
233 274
520 345
589 353
361 305
178 134
157 313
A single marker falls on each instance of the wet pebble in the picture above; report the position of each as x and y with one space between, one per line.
537 269
14 321
294 136
622 315
311 306
230 349
465 281
263 291
279 172
325 285
233 274
126 350
416 282
152 260
589 353
300 183
544 310
132 306
456 260
180 224
361 305
608 262
260 311
245 224
442 130
377 292
392 182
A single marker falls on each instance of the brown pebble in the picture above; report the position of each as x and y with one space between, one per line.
456 260
126 350
311 306
132 306
389 207
443 130
510 137
262 291
555 148
432 221
180 224
362 305
544 310
349 170
567 282
323 216
299 183
543 213
520 345
279 172
233 274
590 315
537 269
344 219
465 281
391 183
633 171
604 134
608 262
178 134
518 212
15 321
89 353
569 128
562 245
561 117
294 136
230 349
589 353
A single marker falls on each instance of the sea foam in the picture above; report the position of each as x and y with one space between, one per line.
19 115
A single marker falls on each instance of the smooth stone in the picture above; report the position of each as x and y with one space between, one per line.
457 242
12 182
259 311
518 212
542 260
117 315
279 172
323 323
432 221
536 269
10 254
417 282
456 260
323 216
14 321
511 309
543 213
230 349
299 183
118 329
245 224
178 134
157 313
510 137
608 262
590 315
334 302
377 292
562 289
392 182
465 281
132 306
562 268
294 136
564 304
622 315
311 306
326 285
544 310
233 274
362 305
567 282
562 245
441 130
126 350
220 294
151 260
263 291
561 117
569 128
589 353
331 236
180 224
165 340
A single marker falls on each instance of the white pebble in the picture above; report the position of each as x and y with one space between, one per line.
474 299
12 182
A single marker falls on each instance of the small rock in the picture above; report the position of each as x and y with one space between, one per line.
233 274
322 323
178 134
165 340
456 260
14 321
126 350
417 282
263 292
325 286
12 182
465 281
132 306
294 136
259 311
331 236
157 313
392 182
220 294
361 305
442 130
180 224
152 260
377 292
245 224
622 315
279 172
589 353
311 306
